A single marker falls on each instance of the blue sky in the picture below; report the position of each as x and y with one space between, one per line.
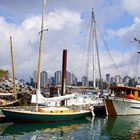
68 22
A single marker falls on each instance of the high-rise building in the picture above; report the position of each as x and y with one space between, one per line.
112 80
44 79
68 78
126 79
52 81
118 79
85 81
108 78
57 77
138 80
35 76
74 80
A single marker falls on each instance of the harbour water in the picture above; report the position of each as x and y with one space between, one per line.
98 128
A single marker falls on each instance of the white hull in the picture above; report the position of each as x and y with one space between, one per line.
122 106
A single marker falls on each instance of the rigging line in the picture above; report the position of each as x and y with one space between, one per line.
84 49
89 49
88 53
106 45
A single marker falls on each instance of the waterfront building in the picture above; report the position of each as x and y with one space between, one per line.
139 80
44 79
68 78
74 80
22 81
112 80
126 79
118 79
52 81
85 81
108 78
35 76
58 77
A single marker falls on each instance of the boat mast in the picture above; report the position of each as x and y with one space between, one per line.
13 69
40 51
96 53
94 48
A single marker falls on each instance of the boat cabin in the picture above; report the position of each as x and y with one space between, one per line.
126 92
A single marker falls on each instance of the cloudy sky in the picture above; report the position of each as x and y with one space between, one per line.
67 22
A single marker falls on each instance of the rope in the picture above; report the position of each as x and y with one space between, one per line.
106 45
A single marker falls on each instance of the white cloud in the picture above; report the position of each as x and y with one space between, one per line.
132 6
59 20
67 22
61 35
127 33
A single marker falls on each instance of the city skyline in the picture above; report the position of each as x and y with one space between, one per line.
67 24
71 79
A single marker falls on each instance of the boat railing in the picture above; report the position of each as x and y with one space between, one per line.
20 107
123 99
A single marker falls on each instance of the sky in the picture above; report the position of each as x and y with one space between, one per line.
68 22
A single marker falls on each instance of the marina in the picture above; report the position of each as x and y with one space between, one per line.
59 80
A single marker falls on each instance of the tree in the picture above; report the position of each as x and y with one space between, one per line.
4 74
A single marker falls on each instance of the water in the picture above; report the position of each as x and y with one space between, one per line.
119 128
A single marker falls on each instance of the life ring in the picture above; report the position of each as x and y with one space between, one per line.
130 96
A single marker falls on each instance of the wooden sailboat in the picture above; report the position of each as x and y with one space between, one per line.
44 114
4 102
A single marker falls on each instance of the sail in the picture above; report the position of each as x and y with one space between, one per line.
42 99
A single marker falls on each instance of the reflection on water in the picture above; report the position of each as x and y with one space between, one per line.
122 128
56 130
119 128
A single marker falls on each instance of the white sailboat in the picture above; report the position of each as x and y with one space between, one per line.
78 99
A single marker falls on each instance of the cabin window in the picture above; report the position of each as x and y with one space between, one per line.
51 111
138 93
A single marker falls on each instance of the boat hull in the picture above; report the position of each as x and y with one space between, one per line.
28 116
121 106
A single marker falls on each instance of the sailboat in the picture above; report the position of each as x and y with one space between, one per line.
93 50
4 102
79 99
44 114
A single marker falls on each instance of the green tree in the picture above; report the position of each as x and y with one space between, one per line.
4 74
